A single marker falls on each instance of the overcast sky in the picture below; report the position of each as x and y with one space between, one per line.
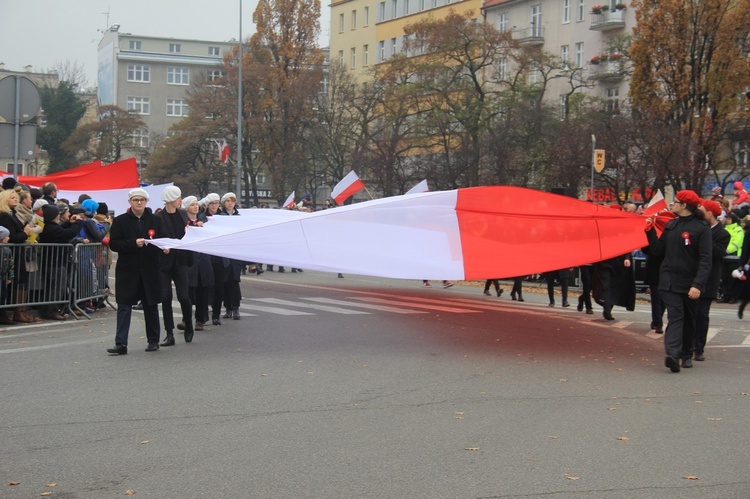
43 33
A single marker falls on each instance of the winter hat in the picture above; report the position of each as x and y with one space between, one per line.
228 195
712 206
3 231
186 202
89 205
138 191
64 208
38 204
738 185
212 197
171 193
103 209
688 197
9 183
50 212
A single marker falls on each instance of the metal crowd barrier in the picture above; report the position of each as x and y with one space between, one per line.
65 275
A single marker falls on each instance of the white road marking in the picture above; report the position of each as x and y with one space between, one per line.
383 308
324 308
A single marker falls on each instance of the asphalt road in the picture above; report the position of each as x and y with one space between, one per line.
365 387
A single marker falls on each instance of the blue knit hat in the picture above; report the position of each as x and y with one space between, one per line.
90 206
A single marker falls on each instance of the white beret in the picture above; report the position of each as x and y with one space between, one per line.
38 204
228 195
211 197
138 191
186 202
171 193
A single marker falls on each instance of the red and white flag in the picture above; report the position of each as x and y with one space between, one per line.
420 187
289 203
223 151
656 204
349 185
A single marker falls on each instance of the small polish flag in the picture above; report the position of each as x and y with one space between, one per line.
349 185
223 151
289 203
420 187
656 204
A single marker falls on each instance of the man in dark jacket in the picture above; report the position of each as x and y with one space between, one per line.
720 238
174 266
137 271
686 246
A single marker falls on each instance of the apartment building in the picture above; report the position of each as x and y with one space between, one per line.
367 32
151 75
579 31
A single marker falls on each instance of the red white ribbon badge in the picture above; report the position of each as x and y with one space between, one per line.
152 233
686 237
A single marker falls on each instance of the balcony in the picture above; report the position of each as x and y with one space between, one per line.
607 71
529 37
608 20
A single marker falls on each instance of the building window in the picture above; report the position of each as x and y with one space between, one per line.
367 16
354 19
613 100
341 57
563 106
175 48
566 11
581 10
354 58
503 22
579 54
394 46
141 105
365 55
214 50
394 9
502 69
139 72
381 12
381 51
565 56
178 76
177 107
536 20
135 45
140 138
215 75
341 23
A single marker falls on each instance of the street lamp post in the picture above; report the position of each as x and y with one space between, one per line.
239 117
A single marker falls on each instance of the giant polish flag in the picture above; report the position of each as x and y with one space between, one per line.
349 185
473 233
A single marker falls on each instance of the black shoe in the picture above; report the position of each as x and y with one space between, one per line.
294 271
499 293
228 315
138 306
236 314
658 330
589 311
566 304
189 331
551 304
608 315
259 271
672 364
216 321
520 299
513 295
152 347
118 350
168 341
281 269
699 356
487 292
580 306
687 363
341 276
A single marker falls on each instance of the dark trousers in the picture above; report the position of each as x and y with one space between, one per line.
701 323
517 287
200 295
490 282
585 298
179 275
657 307
563 288
220 275
151 316
682 313
232 294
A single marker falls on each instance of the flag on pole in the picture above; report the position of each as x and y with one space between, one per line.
289 203
656 204
420 187
223 151
349 185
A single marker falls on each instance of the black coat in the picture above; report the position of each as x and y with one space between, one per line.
14 226
720 238
612 283
137 272
174 231
54 233
686 247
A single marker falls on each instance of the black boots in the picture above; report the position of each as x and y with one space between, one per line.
169 340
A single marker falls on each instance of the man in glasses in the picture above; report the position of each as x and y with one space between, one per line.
137 275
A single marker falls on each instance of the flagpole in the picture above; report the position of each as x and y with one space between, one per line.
593 162
368 193
238 187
